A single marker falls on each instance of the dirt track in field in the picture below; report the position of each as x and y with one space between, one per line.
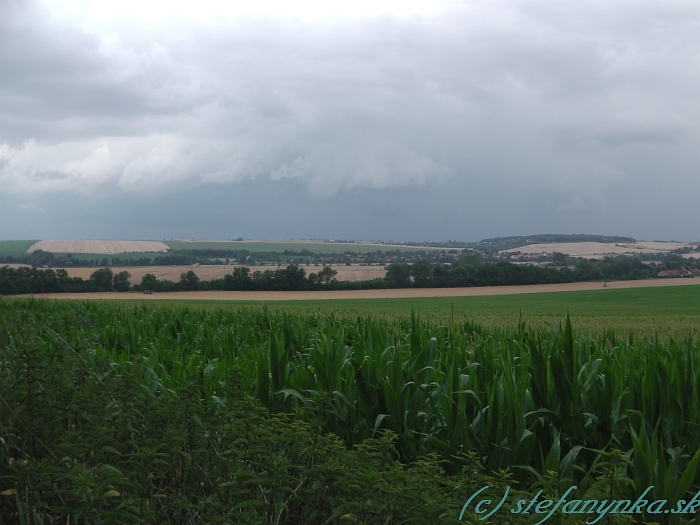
107 247
376 294
209 272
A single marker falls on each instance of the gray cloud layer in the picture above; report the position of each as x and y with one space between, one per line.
490 118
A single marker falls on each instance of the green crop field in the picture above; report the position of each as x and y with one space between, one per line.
186 413
666 311
281 246
14 248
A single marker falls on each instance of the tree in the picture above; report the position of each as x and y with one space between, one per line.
469 258
559 258
238 280
189 280
149 282
121 281
293 277
241 278
313 281
263 280
102 279
463 275
326 275
399 274
41 258
421 270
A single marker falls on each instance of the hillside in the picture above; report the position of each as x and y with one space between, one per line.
506 243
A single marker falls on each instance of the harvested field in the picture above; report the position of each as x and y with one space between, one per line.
377 294
597 250
107 247
207 273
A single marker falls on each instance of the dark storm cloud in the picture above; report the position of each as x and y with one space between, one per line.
561 116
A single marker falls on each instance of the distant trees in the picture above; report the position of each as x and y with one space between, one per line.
149 282
120 281
463 274
467 271
293 277
41 258
238 280
33 280
102 279
421 271
324 278
398 275
559 258
326 275
189 280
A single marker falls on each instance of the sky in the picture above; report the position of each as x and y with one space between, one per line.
374 120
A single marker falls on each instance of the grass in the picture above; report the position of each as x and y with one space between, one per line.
14 248
264 246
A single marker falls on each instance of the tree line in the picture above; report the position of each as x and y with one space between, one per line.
14 281
290 278
186 257
467 272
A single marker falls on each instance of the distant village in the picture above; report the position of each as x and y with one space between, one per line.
690 272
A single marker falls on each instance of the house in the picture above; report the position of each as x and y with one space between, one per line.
671 273
693 272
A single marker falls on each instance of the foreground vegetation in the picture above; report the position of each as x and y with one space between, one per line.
133 413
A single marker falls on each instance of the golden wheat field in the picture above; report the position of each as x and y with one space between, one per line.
207 273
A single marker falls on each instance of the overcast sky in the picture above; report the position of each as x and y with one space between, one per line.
391 120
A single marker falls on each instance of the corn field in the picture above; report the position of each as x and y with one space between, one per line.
543 406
